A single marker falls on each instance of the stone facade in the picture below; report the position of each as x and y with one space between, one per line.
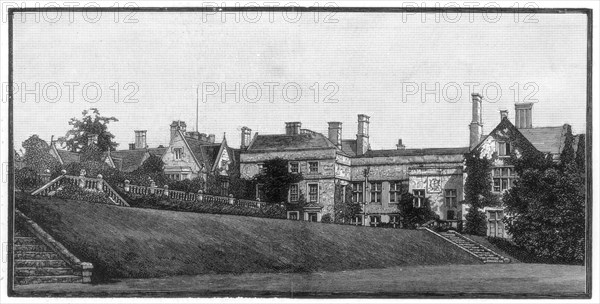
411 168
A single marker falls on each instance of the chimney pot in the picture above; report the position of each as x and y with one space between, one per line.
362 138
400 146
175 126
503 114
246 134
132 146
140 139
523 115
292 128
476 126
211 138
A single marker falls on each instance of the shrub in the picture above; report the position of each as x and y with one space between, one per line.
214 207
26 179
73 192
326 218
476 222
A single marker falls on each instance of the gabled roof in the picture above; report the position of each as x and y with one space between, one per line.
416 152
547 139
66 157
282 142
543 139
204 152
128 160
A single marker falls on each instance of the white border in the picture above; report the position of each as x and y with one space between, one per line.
509 3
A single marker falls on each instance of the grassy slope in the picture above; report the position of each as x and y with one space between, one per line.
130 242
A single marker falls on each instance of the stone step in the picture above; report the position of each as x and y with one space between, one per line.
26 240
40 263
23 233
24 280
44 271
31 248
36 256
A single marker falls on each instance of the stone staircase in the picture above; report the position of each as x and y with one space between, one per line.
484 254
38 258
37 263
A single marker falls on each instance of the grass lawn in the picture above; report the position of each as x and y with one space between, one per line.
492 280
126 242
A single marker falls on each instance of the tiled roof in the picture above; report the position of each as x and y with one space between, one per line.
205 152
128 160
68 157
416 152
546 139
281 142
157 151
349 146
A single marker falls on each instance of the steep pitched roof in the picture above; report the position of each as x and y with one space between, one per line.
157 151
349 146
416 152
282 142
128 160
547 139
204 152
67 157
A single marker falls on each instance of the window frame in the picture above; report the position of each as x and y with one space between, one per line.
296 165
504 149
451 201
292 194
310 167
419 200
310 199
376 192
396 192
177 153
358 193
503 178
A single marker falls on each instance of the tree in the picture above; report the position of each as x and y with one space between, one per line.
476 222
547 208
276 180
344 208
89 124
152 164
412 216
37 155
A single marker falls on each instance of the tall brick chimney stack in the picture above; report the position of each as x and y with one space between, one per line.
246 134
335 133
292 128
476 126
140 139
523 115
175 126
362 138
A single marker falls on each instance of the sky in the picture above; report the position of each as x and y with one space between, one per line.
153 68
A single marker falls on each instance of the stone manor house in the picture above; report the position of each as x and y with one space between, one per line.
378 178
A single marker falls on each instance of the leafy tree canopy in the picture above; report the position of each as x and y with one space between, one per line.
37 155
90 123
